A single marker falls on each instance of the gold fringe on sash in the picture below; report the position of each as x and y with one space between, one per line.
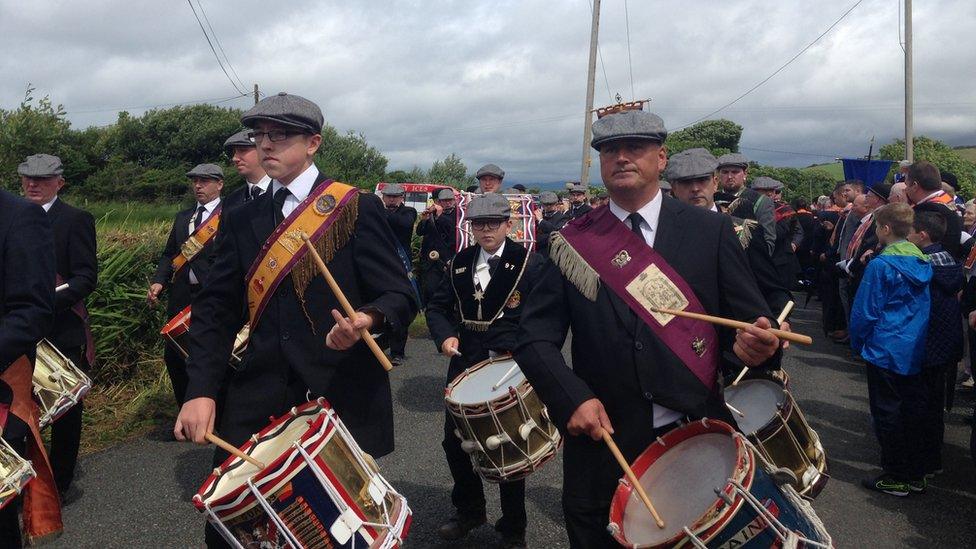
744 231
573 267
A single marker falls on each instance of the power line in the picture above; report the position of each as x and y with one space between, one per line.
603 65
777 71
219 46
630 61
790 152
214 50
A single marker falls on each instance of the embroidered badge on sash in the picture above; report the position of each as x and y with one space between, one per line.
698 345
621 259
325 204
514 300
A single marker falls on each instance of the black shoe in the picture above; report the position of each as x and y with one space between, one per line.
888 485
510 540
71 495
918 486
459 526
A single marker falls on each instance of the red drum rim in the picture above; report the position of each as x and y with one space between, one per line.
712 519
178 325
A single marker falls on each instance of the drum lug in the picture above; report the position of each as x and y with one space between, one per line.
470 446
526 429
494 441
344 526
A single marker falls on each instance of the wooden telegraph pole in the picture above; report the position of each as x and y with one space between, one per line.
909 92
257 95
591 75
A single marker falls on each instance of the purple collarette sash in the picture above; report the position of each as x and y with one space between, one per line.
641 277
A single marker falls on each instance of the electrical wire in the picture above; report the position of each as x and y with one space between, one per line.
214 50
777 71
790 152
630 60
220 47
600 54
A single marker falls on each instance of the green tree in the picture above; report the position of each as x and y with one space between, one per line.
350 158
450 171
940 154
806 183
34 127
718 136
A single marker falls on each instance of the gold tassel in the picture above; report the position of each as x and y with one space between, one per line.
745 231
574 267
476 326
333 240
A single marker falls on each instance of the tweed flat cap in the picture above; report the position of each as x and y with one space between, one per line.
239 139
733 159
286 109
576 187
444 194
628 125
393 190
882 190
489 206
763 183
548 198
40 165
490 169
208 171
690 164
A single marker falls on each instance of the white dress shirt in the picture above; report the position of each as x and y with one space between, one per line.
209 208
482 271
299 188
47 207
261 184
651 212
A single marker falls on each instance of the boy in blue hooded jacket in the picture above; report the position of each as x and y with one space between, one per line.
888 326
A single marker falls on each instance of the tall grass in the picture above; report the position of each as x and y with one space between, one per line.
129 215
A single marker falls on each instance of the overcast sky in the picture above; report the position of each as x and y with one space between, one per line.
504 82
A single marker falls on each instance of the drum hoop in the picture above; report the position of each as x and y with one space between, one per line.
503 399
182 318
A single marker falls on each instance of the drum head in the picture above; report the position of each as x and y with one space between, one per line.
758 400
475 386
682 484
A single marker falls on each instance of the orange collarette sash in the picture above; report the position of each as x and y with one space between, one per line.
195 243
328 216
41 503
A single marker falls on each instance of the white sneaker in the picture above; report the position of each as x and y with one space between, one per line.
969 383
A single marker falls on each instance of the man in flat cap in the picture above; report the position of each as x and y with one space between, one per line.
476 313
695 182
549 218
437 228
489 178
244 155
187 258
42 177
733 168
401 219
631 376
300 344
577 200
864 243
27 304
789 232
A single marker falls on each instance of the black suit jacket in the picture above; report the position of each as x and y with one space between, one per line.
179 288
953 226
444 320
439 234
578 211
549 225
401 221
618 359
236 197
74 250
286 355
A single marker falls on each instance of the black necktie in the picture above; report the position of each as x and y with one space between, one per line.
635 224
199 218
255 193
279 201
493 264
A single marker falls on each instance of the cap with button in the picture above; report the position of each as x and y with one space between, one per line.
287 110
40 165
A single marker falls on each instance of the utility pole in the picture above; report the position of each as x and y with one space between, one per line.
257 95
591 75
909 93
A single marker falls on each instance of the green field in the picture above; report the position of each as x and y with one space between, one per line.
835 169
969 153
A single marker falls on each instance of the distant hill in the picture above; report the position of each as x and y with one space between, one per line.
835 169
969 153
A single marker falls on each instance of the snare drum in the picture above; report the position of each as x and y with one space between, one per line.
58 383
177 333
15 473
317 489
506 430
775 424
712 489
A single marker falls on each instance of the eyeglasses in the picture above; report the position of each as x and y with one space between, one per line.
486 225
274 135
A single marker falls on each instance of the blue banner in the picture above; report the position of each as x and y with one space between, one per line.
868 171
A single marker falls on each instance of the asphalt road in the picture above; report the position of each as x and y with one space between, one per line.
137 494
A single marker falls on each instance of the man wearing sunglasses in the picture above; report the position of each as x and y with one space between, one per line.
473 316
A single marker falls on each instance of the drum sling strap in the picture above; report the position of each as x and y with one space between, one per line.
82 313
42 505
599 248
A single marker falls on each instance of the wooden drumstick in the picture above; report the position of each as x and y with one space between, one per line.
504 378
779 320
737 324
632 478
232 449
346 306
734 409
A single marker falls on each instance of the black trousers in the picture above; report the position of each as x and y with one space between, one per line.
933 414
897 410
15 433
175 363
468 494
66 433
398 341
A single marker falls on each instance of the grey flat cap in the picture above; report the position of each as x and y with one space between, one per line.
549 198
41 165
392 190
490 169
763 183
286 109
576 188
489 206
690 164
904 163
733 159
664 184
239 139
208 171
444 194
628 125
